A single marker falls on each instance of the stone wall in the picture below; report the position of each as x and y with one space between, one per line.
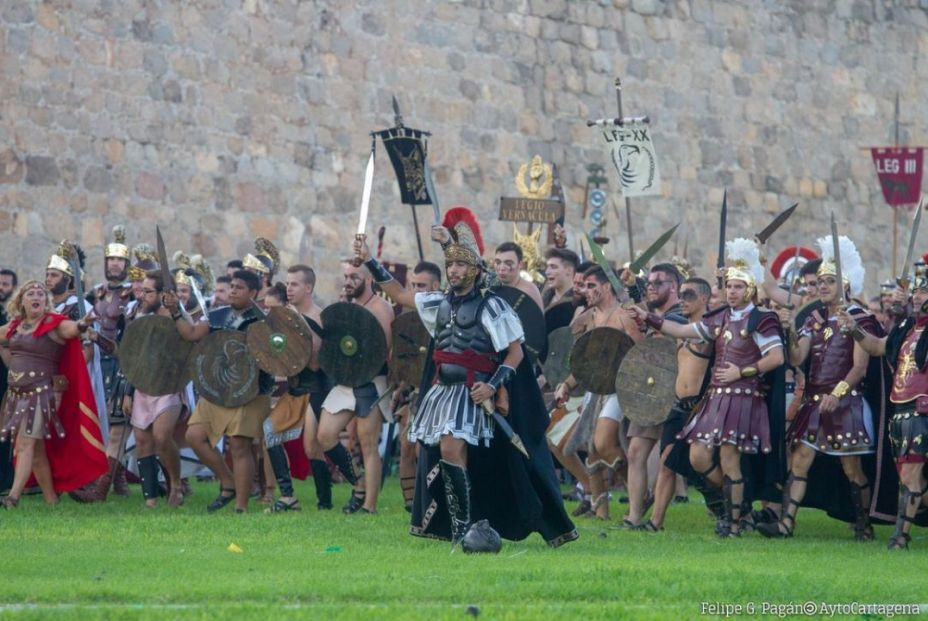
222 120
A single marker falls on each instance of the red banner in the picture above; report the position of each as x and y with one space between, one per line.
900 173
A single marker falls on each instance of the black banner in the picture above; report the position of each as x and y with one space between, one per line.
407 150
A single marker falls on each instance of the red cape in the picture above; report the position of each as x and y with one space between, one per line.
80 456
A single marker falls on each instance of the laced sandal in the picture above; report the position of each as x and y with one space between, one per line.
355 503
584 508
280 506
9 502
650 527
221 500
899 541
599 502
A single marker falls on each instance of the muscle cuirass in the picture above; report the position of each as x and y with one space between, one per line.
458 329
908 381
734 344
831 355
109 308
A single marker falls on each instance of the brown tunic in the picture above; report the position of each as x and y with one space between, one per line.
30 398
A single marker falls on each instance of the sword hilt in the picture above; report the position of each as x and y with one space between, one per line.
360 237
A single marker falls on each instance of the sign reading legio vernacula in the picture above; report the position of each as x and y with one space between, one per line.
539 210
533 181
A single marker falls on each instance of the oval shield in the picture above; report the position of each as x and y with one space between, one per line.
410 347
223 369
153 356
354 346
282 343
646 381
596 357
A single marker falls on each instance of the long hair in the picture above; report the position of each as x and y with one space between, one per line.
15 306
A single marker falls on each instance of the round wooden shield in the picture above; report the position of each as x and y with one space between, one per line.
282 343
354 347
559 316
533 321
153 356
646 381
557 365
410 348
596 356
223 370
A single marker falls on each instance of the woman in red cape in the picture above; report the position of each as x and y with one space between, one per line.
49 405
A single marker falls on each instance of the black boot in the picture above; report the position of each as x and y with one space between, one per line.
860 498
148 474
342 460
457 493
281 468
322 477
908 506
733 493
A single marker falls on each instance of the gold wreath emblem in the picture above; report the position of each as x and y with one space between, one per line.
540 179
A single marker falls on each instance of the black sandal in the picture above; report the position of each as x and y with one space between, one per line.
355 503
650 527
221 500
280 506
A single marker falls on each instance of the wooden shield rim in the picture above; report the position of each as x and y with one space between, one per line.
547 364
631 395
179 346
625 341
273 364
394 329
330 342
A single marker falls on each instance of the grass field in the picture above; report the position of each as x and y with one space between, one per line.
120 561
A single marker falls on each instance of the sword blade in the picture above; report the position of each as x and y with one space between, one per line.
916 221
166 277
723 219
201 301
75 262
776 223
507 429
652 250
366 194
430 188
836 248
600 259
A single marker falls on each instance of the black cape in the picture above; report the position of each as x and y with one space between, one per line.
516 495
828 488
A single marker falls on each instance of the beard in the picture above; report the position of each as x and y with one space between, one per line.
153 307
120 276
5 297
61 287
352 293
657 302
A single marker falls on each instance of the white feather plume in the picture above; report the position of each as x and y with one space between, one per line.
852 267
743 253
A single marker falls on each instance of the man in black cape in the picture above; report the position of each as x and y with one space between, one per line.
472 485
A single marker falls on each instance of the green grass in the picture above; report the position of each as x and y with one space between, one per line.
118 560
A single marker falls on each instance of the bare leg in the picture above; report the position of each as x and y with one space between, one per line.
243 469
369 429
407 463
663 491
198 440
638 451
168 453
25 452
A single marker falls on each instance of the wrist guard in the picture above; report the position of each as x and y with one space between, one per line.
841 389
857 334
503 374
653 320
378 271
748 371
